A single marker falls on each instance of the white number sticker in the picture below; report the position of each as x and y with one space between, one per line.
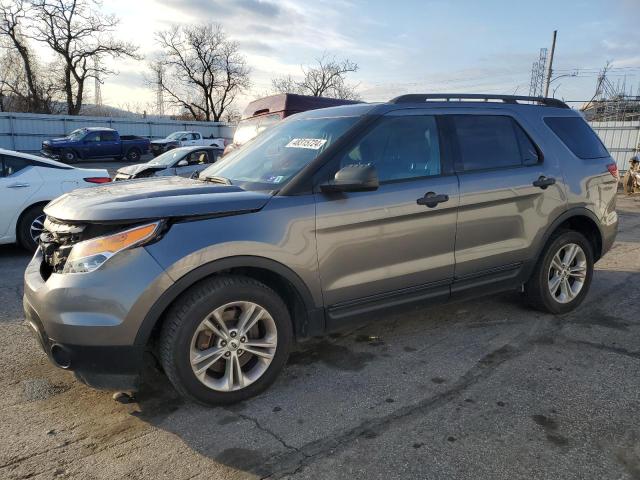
311 143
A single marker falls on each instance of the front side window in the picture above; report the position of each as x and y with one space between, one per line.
168 158
577 136
92 137
174 136
197 158
399 148
11 165
278 154
76 134
487 141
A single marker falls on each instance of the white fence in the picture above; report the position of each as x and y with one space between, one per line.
26 131
622 139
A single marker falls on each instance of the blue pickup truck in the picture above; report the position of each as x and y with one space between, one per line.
90 143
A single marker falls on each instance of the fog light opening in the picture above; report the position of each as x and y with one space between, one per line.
60 356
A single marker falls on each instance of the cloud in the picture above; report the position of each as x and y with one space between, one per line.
223 9
255 46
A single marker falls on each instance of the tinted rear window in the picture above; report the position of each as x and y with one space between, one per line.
487 141
577 136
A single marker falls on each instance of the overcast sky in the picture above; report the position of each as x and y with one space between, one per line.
401 46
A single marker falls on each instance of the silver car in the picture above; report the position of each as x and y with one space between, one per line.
330 217
183 161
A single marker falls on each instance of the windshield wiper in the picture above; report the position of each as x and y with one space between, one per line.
214 179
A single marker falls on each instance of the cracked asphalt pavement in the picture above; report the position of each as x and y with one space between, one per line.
482 389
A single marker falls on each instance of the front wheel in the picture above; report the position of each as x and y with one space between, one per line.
30 227
563 275
225 340
69 156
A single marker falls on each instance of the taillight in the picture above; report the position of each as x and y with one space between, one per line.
613 169
97 179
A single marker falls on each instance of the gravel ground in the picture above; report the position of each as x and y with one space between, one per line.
481 389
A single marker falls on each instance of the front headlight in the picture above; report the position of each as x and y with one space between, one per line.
89 255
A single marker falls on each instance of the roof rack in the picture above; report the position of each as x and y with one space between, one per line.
447 97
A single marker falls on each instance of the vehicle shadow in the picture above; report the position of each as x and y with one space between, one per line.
351 387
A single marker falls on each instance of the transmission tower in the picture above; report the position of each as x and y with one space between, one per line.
538 72
97 94
159 94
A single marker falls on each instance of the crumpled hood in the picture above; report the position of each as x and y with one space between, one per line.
138 168
152 198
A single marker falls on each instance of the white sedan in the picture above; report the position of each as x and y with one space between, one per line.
27 184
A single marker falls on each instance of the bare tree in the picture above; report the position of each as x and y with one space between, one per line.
202 70
79 34
327 78
20 73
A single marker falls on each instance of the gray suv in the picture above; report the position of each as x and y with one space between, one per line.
333 215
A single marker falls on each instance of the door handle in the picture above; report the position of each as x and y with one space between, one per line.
18 185
431 199
543 182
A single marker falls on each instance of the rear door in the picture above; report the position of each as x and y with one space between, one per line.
110 144
390 245
509 193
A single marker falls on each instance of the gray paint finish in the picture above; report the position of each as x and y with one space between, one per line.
342 248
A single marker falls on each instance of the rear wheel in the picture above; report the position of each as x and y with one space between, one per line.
563 275
133 155
225 340
30 227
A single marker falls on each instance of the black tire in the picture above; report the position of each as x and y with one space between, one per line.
192 307
537 289
133 155
69 156
27 220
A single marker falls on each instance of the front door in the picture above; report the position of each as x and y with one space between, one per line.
396 242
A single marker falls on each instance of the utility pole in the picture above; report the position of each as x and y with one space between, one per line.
97 100
550 70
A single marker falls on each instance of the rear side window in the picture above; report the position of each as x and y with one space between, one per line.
108 136
492 141
11 165
577 136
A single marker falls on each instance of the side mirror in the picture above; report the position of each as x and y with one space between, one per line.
182 163
353 178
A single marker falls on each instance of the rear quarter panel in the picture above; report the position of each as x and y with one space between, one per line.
588 183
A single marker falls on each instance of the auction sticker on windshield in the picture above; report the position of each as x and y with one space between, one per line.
311 143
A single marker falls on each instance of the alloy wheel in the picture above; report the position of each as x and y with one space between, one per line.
567 273
233 346
36 228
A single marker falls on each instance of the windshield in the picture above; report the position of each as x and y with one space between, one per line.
77 134
249 128
275 157
169 158
175 135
